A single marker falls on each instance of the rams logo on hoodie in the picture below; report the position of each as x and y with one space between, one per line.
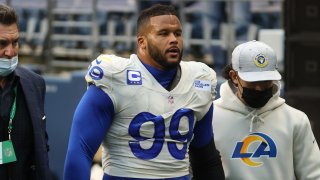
252 147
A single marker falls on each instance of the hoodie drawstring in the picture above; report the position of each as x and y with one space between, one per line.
254 117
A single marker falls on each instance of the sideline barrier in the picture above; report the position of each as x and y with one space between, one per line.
62 97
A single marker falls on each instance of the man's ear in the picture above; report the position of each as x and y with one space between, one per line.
141 42
233 75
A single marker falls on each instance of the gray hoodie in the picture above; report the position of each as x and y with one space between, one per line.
274 142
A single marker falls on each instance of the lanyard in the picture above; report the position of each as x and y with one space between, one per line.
12 112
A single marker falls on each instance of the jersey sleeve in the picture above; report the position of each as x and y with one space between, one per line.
108 73
205 82
100 72
92 118
203 132
211 76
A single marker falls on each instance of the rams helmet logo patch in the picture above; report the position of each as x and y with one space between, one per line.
96 73
261 60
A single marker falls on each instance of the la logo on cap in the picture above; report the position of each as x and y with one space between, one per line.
261 60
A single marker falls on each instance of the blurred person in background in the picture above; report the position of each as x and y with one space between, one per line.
207 19
258 134
152 112
237 13
23 137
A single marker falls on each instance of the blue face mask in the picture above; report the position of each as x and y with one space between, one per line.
7 66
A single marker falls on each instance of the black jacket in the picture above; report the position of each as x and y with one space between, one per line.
34 89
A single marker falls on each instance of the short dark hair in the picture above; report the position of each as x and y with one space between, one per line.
8 15
155 10
226 70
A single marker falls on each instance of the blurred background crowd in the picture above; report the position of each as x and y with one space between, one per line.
70 33
59 38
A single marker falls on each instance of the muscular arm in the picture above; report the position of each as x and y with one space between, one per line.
92 118
204 157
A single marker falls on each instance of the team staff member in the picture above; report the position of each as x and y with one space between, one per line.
148 111
258 134
23 137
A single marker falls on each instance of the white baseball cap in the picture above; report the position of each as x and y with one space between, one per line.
255 61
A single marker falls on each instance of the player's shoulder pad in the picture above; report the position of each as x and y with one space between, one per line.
111 62
199 68
106 64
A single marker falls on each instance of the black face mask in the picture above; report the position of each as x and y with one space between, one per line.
255 98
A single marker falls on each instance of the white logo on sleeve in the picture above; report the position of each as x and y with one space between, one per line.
202 85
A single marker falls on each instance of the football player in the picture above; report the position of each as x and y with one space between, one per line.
152 112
